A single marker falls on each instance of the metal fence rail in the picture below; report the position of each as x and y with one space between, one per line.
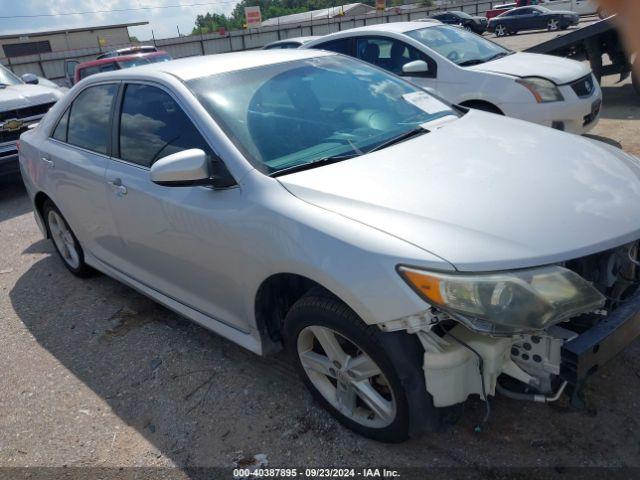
51 65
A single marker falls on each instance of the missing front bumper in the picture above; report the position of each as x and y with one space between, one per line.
585 354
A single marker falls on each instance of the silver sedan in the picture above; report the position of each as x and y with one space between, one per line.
405 251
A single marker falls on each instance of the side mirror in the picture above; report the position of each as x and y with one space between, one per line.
182 169
415 68
30 78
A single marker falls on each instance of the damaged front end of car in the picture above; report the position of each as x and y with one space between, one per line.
527 334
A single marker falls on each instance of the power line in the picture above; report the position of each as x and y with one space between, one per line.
118 10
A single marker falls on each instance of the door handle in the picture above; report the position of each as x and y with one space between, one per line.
120 189
47 161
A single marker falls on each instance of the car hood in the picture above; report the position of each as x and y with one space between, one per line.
487 193
556 69
19 96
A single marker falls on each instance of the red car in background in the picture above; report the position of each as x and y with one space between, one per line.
84 69
508 6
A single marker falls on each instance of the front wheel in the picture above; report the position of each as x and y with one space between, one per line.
352 369
553 25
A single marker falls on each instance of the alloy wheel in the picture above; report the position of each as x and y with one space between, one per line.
501 31
63 239
553 25
346 377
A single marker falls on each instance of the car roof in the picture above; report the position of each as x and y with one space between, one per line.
535 7
121 58
189 68
394 27
294 39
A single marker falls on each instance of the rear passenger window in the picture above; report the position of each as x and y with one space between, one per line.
90 116
152 126
339 46
60 133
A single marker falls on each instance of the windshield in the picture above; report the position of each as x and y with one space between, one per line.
133 63
158 58
289 114
461 47
8 78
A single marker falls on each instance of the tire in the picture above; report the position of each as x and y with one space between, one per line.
65 241
501 30
553 25
390 374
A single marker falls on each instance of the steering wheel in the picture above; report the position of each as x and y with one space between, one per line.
453 56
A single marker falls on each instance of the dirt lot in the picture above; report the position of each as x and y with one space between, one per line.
93 374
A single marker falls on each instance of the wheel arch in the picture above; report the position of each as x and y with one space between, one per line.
38 203
273 300
484 105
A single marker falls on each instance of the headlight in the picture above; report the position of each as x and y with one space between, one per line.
542 89
507 302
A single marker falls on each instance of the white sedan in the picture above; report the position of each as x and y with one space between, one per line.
472 71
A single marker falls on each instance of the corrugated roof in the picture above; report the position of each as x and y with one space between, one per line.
70 30
330 12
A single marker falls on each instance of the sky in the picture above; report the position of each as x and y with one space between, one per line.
165 22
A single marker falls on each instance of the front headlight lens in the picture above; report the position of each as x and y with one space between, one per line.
543 90
508 302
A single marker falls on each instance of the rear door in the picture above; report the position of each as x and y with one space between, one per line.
76 156
174 239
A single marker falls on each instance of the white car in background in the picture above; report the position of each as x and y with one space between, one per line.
474 72
293 42
23 102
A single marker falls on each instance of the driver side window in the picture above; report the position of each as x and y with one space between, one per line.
152 126
390 54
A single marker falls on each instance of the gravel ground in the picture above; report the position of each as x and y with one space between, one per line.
94 374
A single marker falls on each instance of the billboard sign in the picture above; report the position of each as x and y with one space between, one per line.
253 17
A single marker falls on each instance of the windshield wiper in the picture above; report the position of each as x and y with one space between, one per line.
414 132
478 61
498 55
468 63
314 163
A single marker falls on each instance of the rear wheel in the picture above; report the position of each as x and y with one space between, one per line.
501 30
353 369
553 25
65 241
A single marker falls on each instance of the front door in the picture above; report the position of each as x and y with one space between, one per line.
175 239
392 55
